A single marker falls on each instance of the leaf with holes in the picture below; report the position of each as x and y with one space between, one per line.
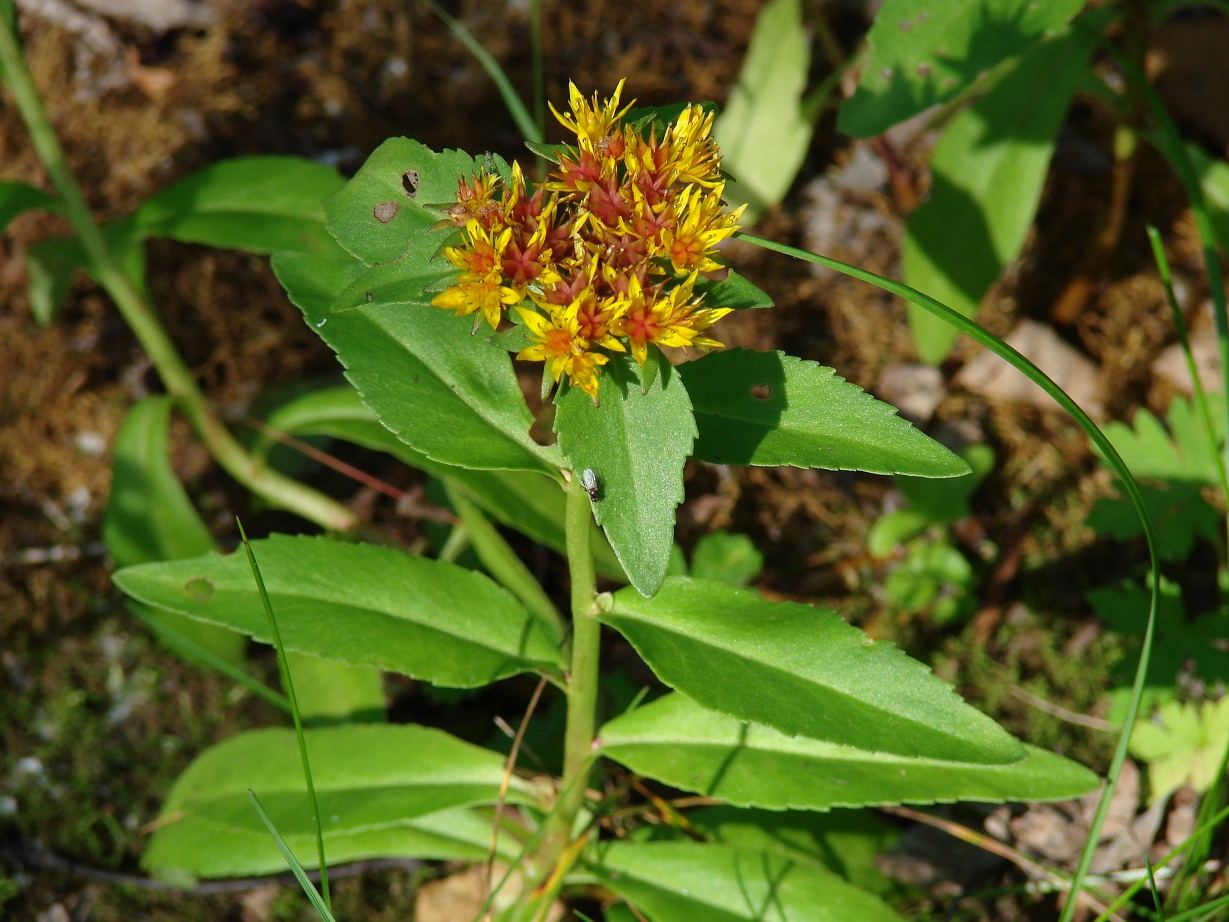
636 443
358 603
769 408
676 741
802 670
402 190
445 393
368 778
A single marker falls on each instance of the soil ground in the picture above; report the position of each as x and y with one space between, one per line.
96 719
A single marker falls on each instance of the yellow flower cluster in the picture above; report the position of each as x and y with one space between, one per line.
604 256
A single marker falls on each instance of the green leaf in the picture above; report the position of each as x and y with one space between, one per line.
686 882
802 670
368 777
531 503
150 518
1183 744
403 189
922 54
16 197
52 263
410 280
1177 510
358 603
676 741
635 443
1181 464
947 500
732 291
846 842
934 577
328 692
1213 177
769 409
258 204
50 266
447 394
732 559
894 529
987 172
765 129
194 847
1199 641
552 153
1152 454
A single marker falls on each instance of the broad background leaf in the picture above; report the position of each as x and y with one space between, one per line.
1214 178
1181 462
925 53
802 670
149 517
770 408
367 777
676 741
329 692
1196 644
447 394
52 264
257 204
987 174
765 129
358 603
636 444
688 881
194 847
16 197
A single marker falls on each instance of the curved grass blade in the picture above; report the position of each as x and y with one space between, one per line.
288 685
516 108
296 868
1038 377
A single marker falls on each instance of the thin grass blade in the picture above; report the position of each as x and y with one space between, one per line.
297 869
1038 377
516 108
288 685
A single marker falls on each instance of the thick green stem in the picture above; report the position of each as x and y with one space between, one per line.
581 689
277 489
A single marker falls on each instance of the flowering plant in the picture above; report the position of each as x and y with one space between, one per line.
608 251
761 704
